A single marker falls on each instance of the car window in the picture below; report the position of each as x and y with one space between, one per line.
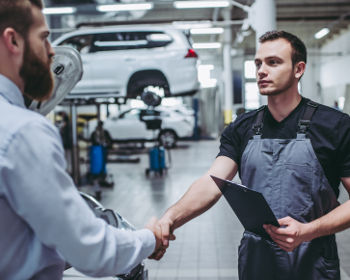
158 40
132 114
129 40
81 43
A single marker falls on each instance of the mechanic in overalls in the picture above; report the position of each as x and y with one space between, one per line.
295 152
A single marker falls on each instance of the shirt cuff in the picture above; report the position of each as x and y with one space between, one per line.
148 241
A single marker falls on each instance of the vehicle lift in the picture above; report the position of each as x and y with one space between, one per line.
97 153
156 154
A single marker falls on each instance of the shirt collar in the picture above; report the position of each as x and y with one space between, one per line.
11 92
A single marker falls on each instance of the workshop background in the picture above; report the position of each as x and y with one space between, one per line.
161 80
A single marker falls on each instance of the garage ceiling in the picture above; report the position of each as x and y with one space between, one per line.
301 17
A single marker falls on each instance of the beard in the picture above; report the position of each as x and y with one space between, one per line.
37 76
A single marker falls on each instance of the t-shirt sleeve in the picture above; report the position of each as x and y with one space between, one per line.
344 146
230 143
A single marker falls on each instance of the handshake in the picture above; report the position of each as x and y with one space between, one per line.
163 232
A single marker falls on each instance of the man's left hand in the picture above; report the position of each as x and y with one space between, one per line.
291 233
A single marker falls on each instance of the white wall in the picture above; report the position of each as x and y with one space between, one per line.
335 68
309 83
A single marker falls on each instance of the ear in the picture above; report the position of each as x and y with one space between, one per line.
299 69
13 41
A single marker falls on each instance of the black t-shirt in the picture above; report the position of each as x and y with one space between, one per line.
329 133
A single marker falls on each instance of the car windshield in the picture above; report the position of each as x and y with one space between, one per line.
130 114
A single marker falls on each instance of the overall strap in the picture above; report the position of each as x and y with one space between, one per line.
304 122
258 123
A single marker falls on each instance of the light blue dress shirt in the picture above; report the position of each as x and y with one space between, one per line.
43 219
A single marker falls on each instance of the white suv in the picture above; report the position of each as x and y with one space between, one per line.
122 61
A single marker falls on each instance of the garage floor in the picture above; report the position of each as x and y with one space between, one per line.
206 247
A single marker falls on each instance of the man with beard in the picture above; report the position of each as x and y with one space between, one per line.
44 220
295 152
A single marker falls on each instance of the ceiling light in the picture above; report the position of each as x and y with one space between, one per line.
192 24
200 4
323 32
120 44
59 10
125 7
207 45
214 30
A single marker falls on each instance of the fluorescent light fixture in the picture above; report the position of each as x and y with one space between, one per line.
323 32
207 45
200 4
120 44
125 7
59 10
214 30
192 24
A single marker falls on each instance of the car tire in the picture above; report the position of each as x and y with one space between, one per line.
167 138
143 79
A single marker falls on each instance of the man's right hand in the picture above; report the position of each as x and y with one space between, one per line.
166 225
153 225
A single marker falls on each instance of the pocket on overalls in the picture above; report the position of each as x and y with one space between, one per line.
326 269
256 258
328 261
296 189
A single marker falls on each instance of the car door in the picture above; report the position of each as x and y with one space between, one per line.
112 61
128 126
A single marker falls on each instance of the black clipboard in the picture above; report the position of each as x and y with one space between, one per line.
250 206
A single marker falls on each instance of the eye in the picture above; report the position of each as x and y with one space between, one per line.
273 62
257 64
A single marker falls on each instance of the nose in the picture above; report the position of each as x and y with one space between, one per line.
51 51
261 71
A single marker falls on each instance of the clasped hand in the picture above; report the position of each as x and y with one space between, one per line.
163 233
290 234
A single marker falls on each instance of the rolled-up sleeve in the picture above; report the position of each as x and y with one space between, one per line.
229 144
43 194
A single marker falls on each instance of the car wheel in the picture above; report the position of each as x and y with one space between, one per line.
145 79
167 138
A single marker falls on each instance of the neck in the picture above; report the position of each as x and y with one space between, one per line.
15 79
281 105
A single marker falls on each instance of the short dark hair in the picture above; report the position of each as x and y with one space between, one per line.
18 15
299 52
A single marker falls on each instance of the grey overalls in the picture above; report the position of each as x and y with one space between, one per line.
292 180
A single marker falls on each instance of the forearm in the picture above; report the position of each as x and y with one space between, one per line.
333 222
201 195
336 220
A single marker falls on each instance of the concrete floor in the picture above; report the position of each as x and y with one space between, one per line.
206 247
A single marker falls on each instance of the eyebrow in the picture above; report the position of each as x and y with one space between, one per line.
273 56
268 57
